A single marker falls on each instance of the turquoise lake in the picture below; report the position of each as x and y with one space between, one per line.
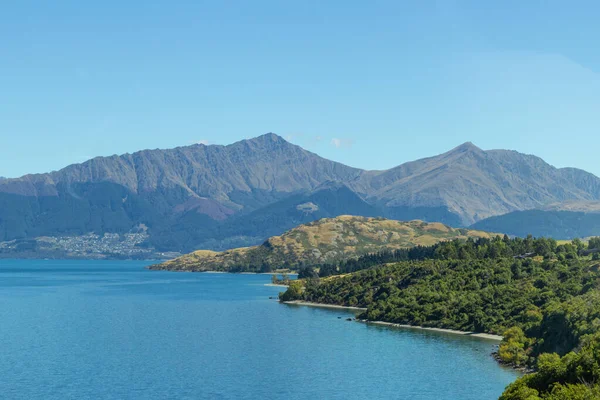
114 330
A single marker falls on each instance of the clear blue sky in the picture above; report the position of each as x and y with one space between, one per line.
368 83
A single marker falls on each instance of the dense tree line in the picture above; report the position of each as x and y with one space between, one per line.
369 260
544 298
471 249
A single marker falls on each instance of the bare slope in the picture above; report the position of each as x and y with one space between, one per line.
475 184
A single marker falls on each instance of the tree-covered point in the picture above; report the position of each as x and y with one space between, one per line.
544 297
469 295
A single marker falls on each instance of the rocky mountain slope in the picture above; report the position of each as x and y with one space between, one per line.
225 196
328 200
192 187
326 240
474 184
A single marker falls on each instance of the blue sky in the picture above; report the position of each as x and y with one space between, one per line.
370 84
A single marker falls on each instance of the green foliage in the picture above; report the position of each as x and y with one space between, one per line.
307 273
488 295
520 390
574 392
470 249
284 280
573 376
594 243
513 348
294 292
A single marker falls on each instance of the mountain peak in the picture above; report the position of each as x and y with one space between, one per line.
273 137
267 141
467 146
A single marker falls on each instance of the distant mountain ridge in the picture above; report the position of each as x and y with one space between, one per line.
544 223
202 171
475 184
226 196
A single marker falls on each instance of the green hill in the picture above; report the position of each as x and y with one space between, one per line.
323 241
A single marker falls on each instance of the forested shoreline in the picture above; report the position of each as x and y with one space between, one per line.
543 297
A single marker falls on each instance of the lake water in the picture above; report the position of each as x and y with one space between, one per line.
113 330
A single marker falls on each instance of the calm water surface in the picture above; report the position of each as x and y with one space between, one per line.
113 330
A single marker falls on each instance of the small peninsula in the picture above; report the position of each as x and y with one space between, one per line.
328 240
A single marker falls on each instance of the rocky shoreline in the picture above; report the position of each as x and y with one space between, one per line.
321 305
523 369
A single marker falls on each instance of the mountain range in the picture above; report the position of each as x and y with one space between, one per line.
219 197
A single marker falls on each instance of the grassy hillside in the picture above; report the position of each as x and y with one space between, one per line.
323 241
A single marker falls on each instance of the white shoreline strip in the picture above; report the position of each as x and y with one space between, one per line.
309 304
442 330
391 324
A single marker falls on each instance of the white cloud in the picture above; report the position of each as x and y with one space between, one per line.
203 141
341 143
